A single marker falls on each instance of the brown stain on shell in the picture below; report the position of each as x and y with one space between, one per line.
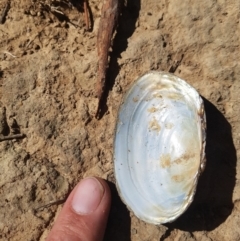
152 109
157 95
165 160
135 99
186 178
184 158
154 125
161 86
178 178
174 96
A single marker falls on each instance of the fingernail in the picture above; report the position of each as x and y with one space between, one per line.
88 196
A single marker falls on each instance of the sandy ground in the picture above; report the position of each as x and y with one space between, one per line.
47 92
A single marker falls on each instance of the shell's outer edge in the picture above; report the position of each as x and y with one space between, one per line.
202 116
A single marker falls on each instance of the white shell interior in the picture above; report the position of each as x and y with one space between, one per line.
159 147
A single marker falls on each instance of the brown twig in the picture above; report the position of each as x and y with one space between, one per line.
175 64
108 21
85 5
58 202
12 137
4 12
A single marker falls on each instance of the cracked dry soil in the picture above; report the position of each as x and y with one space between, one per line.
47 91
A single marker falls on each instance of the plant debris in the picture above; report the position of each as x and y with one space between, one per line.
107 25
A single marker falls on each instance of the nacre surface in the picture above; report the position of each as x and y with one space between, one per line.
159 147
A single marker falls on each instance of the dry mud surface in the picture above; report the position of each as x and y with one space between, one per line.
47 92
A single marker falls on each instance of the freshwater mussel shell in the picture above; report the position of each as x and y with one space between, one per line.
159 147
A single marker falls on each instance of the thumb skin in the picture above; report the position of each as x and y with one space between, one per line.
85 213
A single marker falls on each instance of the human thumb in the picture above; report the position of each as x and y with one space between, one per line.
85 213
